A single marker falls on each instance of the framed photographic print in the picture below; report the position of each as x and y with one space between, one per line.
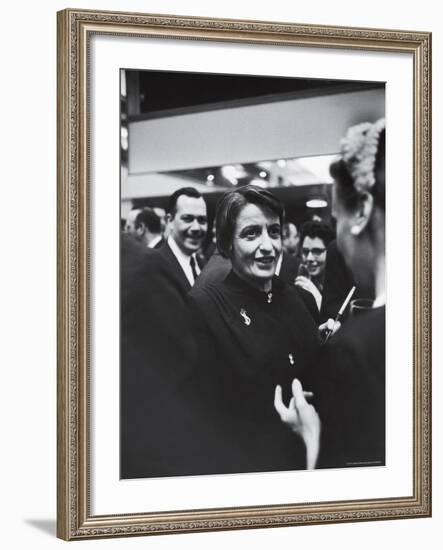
241 204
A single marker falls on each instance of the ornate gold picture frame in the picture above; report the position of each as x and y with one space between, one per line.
77 518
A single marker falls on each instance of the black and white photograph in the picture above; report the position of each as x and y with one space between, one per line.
244 315
221 227
252 274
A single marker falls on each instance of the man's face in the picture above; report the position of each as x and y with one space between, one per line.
189 225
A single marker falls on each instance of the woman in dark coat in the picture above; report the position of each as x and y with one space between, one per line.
252 331
348 379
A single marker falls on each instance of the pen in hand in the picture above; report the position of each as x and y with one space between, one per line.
328 331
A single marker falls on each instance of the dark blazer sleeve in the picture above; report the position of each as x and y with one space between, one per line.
348 382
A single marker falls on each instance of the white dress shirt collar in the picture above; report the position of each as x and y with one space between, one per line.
279 262
155 241
183 259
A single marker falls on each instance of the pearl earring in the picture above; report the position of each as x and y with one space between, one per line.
355 230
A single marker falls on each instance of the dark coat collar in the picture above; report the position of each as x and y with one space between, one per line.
237 284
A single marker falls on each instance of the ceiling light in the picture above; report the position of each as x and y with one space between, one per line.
316 203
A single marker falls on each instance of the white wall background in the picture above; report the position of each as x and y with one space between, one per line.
28 274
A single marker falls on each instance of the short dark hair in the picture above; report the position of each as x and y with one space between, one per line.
171 207
315 229
233 202
345 184
149 219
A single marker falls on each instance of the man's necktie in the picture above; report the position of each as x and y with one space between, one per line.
193 267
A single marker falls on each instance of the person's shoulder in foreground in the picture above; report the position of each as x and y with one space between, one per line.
348 382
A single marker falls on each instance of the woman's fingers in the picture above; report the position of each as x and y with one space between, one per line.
331 326
278 402
327 325
297 392
302 418
298 398
303 283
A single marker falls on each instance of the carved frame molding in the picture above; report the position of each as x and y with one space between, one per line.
75 28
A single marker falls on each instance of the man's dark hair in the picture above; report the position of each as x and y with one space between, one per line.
172 202
149 219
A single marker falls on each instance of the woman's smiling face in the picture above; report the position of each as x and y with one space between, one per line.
256 246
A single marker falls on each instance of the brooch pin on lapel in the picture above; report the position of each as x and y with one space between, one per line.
246 319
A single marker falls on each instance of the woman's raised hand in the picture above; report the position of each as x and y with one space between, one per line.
302 418
327 329
310 287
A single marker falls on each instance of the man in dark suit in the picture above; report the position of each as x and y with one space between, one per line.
156 419
187 226
145 226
